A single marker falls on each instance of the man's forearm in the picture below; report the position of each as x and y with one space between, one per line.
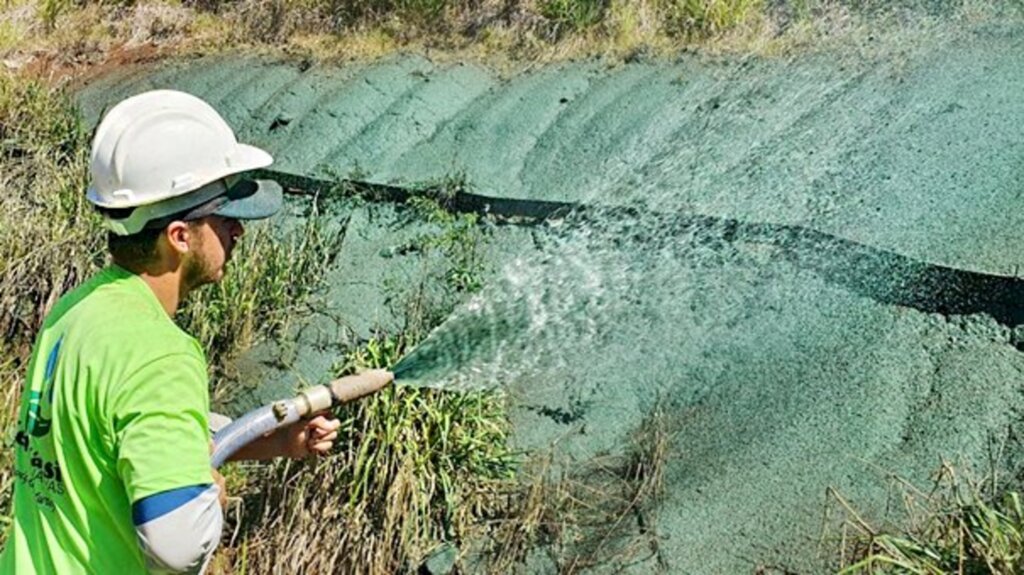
261 449
266 447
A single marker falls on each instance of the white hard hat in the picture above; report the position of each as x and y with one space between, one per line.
155 149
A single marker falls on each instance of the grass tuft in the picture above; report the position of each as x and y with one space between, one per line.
600 512
956 527
415 469
450 266
573 15
696 19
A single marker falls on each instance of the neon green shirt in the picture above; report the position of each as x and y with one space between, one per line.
114 410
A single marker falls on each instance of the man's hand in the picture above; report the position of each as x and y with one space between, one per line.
316 435
308 437
297 441
222 490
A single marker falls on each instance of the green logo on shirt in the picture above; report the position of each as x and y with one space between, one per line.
43 473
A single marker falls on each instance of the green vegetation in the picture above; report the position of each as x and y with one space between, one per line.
574 15
451 258
701 18
64 34
413 469
959 526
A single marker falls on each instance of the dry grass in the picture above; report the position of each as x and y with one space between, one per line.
60 38
958 525
601 512
44 213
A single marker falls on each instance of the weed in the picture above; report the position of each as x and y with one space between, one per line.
50 10
458 241
573 15
703 18
598 512
957 527
451 263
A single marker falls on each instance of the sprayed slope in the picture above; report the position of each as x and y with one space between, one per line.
783 375
908 143
779 384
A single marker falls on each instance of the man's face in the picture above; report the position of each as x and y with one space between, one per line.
214 240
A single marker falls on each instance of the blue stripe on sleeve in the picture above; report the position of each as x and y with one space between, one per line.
149 508
51 361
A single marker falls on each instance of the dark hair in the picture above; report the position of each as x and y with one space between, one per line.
137 251
134 252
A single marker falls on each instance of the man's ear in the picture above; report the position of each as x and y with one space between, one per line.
179 236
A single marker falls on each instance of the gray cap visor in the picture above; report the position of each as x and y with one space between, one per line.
245 200
252 200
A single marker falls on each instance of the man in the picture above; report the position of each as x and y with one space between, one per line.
112 471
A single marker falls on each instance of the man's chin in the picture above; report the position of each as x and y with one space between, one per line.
215 276
205 277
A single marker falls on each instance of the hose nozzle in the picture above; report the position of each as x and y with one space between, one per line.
352 387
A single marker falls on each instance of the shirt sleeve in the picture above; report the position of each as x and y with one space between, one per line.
160 426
